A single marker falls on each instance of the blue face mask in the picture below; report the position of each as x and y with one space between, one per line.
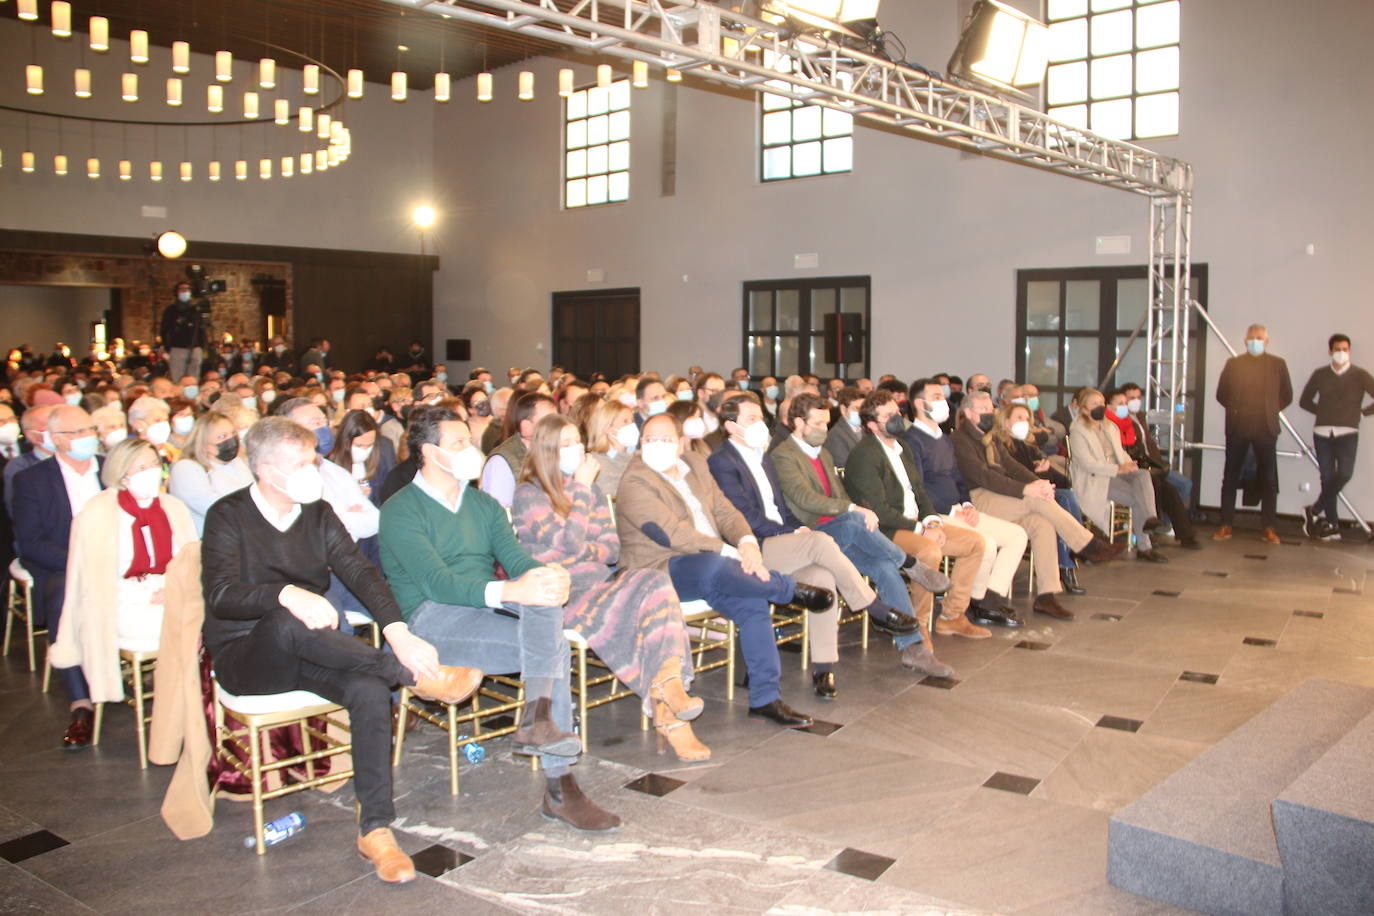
744 384
251 402
1120 411
945 389
83 448
771 392
488 388
1256 347
190 391
441 377
324 440
1033 404
72 399
657 407
853 419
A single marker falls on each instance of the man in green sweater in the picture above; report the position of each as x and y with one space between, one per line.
441 541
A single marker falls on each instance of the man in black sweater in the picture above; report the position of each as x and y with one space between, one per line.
1253 388
267 554
1334 393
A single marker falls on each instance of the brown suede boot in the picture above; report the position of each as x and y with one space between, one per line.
379 847
564 801
538 734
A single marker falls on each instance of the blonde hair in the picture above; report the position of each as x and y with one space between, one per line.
120 458
1001 431
599 423
197 438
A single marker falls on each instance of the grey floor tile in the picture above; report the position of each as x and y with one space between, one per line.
114 791
829 893
1112 768
1082 684
21 892
1205 712
422 897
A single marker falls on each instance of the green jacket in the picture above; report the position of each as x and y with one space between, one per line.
876 485
801 488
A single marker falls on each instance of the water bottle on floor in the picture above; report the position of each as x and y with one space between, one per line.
273 832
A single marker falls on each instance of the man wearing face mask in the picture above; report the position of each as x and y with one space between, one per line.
748 478
505 461
46 498
650 400
740 377
1254 387
183 333
267 556
9 451
845 432
492 435
772 397
1171 488
440 541
149 419
710 388
1335 393
671 515
34 425
341 491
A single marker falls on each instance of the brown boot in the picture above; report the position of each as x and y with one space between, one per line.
1048 604
1100 551
960 625
1270 536
674 733
1223 533
451 685
564 801
918 657
538 734
667 688
379 847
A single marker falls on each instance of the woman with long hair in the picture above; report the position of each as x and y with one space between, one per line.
1103 473
358 451
211 465
693 420
612 438
631 619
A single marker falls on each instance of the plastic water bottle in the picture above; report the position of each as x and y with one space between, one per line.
473 751
273 832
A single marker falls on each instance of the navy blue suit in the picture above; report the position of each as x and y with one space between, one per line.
736 481
43 525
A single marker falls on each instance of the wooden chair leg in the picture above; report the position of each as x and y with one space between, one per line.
140 725
730 660
95 726
9 620
582 694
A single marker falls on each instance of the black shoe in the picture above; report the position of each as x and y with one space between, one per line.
1189 543
1152 524
784 715
1151 556
993 615
891 621
1310 521
813 598
1068 577
824 682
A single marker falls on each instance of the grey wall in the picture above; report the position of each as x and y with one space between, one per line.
1269 95
40 315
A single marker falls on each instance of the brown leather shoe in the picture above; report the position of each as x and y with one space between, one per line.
1270 536
1223 533
452 685
379 847
80 729
1100 551
960 625
1048 604
564 801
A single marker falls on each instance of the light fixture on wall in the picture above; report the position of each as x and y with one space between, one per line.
170 244
565 82
128 87
443 87
224 66
138 46
33 79
1002 48
424 216
81 77
525 86
484 87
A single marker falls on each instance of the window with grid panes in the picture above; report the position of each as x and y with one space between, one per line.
800 139
596 145
1114 66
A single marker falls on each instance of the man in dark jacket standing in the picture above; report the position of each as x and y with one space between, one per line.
1253 388
183 334
1335 393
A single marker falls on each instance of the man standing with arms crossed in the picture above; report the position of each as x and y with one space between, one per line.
1254 387
1335 393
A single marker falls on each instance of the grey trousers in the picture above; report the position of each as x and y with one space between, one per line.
181 361
532 644
1137 491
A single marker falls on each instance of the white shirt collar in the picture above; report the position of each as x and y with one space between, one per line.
280 522
810 451
753 455
935 433
1340 370
429 490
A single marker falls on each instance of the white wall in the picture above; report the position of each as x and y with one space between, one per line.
40 315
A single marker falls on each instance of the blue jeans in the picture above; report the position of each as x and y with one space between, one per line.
1184 486
532 644
1069 503
876 557
1336 465
723 584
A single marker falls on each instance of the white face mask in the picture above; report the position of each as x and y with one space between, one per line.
628 400
269 396
182 425
627 437
159 432
660 455
464 464
360 453
303 485
145 484
938 410
1133 405
9 433
114 437
1340 357
570 457
694 427
1020 429
756 435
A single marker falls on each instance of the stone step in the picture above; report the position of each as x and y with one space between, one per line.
1324 822
1204 838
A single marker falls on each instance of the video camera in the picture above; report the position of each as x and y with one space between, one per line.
201 286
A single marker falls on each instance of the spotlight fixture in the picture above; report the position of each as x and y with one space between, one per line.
170 244
424 216
1002 48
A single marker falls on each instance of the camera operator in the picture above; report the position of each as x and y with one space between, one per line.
183 333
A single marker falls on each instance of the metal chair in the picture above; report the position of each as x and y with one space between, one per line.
135 662
509 705
359 620
260 713
20 606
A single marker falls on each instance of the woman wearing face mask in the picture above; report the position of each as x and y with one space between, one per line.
632 620
150 421
693 420
1102 472
121 543
182 418
360 449
210 466
1014 428
612 438
110 426
478 404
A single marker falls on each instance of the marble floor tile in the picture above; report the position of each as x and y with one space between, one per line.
1142 641
828 893
1111 768
1100 900
114 791
1081 684
21 892
14 825
1205 712
424 896
985 733
1263 668
1354 638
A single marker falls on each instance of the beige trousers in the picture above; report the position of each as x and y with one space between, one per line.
962 545
813 558
1004 544
1043 521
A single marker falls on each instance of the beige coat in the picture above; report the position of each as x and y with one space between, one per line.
1091 467
655 524
88 635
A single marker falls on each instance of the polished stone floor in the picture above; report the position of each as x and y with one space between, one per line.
987 793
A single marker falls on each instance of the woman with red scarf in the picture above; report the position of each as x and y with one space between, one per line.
121 543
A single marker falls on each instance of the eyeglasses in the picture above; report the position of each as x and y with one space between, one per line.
671 440
83 431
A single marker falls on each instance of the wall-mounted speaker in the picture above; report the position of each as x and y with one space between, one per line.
457 350
844 341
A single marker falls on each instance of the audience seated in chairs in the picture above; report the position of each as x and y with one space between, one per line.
1172 489
361 449
1103 473
612 438
211 465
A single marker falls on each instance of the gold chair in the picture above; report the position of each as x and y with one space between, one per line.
20 606
359 620
257 715
509 703
1121 521
135 663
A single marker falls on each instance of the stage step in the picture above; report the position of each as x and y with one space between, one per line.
1324 821
1204 838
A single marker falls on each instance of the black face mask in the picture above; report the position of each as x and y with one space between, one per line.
227 450
405 411
985 422
1097 413
482 408
378 402
893 427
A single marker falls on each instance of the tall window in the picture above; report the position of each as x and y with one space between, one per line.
798 326
1114 66
596 146
799 139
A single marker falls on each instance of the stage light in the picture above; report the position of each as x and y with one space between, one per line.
171 244
424 216
834 10
1001 47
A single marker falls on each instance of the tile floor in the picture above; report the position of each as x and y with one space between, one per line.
992 794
